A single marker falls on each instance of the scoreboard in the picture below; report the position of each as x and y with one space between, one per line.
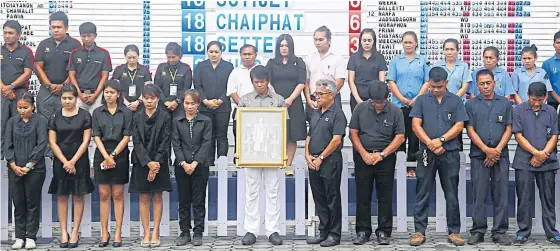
508 25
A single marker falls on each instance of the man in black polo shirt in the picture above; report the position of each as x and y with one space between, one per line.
89 68
437 120
376 131
51 59
535 126
17 65
489 128
327 127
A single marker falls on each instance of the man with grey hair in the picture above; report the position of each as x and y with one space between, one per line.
327 127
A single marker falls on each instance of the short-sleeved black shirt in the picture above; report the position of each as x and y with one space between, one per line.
537 129
111 127
55 57
438 118
212 83
88 65
14 62
132 82
366 70
323 126
377 130
173 80
489 118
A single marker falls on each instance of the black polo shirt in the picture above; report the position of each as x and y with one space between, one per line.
489 118
212 83
377 130
537 129
14 62
173 80
323 126
438 118
55 57
111 127
132 82
88 65
366 70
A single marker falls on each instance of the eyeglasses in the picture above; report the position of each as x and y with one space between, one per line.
320 94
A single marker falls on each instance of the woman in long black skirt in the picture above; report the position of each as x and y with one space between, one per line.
24 148
69 137
150 172
112 128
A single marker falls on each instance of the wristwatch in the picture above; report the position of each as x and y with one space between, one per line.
382 154
28 165
12 86
113 154
48 86
321 157
442 139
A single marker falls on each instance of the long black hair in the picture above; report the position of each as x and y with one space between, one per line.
374 46
116 85
291 52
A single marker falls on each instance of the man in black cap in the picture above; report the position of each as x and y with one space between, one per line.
376 131
438 119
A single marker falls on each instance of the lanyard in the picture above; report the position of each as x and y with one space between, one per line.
132 76
173 75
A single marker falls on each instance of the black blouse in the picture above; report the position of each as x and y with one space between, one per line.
111 126
151 137
212 83
192 143
26 142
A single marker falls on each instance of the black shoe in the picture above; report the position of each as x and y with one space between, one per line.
382 238
275 239
183 239
330 242
475 238
361 238
65 244
74 245
117 244
501 239
317 239
248 239
197 240
520 240
102 243
554 240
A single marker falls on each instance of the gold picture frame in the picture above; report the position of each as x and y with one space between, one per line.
261 137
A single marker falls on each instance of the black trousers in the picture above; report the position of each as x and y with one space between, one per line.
325 185
220 123
383 174
26 193
353 102
413 142
525 189
482 177
191 190
448 167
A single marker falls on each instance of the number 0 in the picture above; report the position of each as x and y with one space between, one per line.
355 4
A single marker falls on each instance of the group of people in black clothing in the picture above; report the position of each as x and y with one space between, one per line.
78 101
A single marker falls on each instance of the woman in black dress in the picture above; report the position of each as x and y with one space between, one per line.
173 78
132 77
151 132
288 75
191 139
112 128
364 67
69 137
24 148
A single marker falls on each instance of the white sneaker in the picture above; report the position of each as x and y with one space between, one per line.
30 244
18 244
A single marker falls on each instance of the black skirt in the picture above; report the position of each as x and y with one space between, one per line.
114 176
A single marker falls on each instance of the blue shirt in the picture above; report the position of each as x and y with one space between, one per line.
552 68
459 75
537 129
521 81
408 75
438 118
504 85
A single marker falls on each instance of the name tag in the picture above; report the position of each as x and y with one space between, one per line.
173 90
132 90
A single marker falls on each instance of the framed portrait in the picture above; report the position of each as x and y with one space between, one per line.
261 136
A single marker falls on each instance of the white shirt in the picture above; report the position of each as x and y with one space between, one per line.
239 82
331 67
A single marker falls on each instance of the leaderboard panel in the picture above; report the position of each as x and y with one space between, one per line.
508 25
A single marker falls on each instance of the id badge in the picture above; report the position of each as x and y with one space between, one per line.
132 90
173 90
